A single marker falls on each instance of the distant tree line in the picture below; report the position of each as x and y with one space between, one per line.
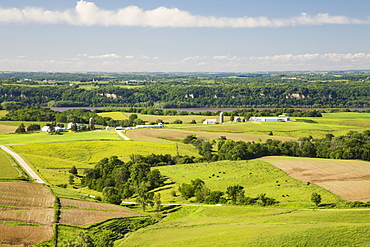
35 113
268 92
353 145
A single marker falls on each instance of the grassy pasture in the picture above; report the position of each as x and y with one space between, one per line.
3 113
349 179
345 119
43 137
284 129
113 115
255 176
7 166
244 226
53 160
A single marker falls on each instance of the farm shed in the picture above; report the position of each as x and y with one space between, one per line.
159 125
280 118
209 121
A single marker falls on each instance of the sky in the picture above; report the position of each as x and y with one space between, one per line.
184 36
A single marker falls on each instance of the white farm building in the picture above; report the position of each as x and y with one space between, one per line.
280 118
210 121
159 125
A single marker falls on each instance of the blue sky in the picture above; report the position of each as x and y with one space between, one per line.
184 36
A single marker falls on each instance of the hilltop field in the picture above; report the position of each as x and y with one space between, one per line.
293 221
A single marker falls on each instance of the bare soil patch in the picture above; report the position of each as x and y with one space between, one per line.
77 212
4 129
22 194
25 203
38 216
349 179
24 235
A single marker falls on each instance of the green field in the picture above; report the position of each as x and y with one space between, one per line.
43 137
53 160
255 176
245 226
335 123
3 113
113 115
7 166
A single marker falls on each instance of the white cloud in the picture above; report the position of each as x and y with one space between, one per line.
335 57
227 63
105 56
88 14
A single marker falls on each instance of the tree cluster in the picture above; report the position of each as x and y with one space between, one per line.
117 179
233 195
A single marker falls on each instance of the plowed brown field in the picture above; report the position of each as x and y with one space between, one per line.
76 212
22 194
349 179
24 235
23 203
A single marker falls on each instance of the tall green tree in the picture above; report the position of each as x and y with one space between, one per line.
316 198
20 129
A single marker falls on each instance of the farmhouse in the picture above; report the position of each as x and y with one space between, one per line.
210 121
280 118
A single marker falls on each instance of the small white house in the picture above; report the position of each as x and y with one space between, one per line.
210 121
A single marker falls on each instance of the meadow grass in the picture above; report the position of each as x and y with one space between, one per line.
3 113
251 226
335 123
283 129
113 115
7 166
255 176
70 194
43 137
53 160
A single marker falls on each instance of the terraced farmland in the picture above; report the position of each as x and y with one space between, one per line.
349 179
75 212
26 213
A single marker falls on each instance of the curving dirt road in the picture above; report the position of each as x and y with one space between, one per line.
23 164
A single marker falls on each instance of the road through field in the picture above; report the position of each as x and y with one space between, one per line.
122 135
23 164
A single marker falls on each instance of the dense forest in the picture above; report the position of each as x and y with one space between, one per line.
189 90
